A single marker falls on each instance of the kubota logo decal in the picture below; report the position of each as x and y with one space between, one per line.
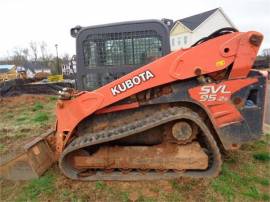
130 83
214 93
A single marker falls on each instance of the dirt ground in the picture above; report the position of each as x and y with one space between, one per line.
245 174
24 117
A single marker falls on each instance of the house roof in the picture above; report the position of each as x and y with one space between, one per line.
6 66
194 21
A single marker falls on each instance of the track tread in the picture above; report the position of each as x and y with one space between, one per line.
156 119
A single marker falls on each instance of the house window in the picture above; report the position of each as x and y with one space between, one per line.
172 41
185 39
179 41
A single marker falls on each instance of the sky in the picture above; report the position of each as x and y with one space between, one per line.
22 21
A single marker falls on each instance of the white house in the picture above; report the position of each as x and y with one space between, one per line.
69 67
41 68
187 31
36 67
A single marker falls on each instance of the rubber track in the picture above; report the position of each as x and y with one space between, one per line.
149 122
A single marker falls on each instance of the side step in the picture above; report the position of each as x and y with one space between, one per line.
30 162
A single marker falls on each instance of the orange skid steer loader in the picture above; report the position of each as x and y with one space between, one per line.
142 112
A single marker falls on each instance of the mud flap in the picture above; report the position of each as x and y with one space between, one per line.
30 162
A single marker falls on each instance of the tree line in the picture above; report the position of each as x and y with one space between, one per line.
35 52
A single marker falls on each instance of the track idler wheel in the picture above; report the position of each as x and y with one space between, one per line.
184 132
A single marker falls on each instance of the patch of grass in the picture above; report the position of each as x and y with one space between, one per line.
67 195
18 135
38 106
36 187
52 98
264 182
112 193
227 182
265 197
40 117
182 187
100 185
225 190
252 193
9 116
22 118
260 180
258 145
2 147
145 199
263 156
124 196
155 189
248 169
230 183
173 197
261 143
232 158
175 185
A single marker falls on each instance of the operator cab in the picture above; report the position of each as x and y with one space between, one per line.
107 52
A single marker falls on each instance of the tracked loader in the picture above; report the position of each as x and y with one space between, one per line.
142 112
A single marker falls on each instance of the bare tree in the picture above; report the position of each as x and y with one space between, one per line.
66 58
25 52
46 58
43 50
266 52
6 59
34 49
19 57
266 55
